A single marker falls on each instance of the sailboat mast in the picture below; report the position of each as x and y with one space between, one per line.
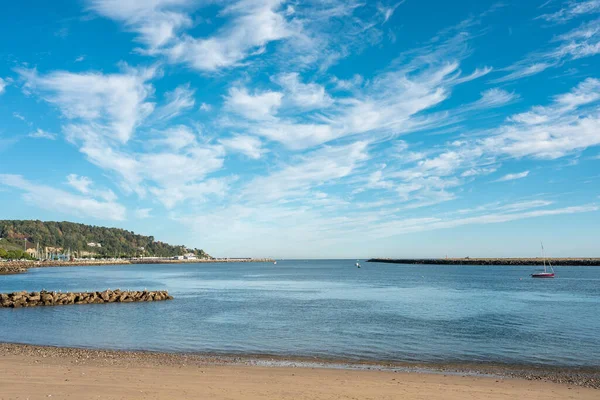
543 256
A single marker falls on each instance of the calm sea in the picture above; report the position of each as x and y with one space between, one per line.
326 309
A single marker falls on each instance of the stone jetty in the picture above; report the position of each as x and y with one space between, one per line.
6 268
492 261
44 298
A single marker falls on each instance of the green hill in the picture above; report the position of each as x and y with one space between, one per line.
83 240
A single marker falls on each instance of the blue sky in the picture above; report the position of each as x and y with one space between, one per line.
308 129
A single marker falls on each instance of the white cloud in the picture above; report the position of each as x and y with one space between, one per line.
494 98
41 134
155 21
80 183
50 198
573 9
257 106
3 85
178 101
567 125
348 84
248 28
512 177
83 185
303 95
19 116
205 107
314 169
251 146
388 105
581 42
172 166
79 59
142 213
175 194
176 138
387 12
253 24
570 124
397 227
116 101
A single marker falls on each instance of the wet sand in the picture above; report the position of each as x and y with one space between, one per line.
35 372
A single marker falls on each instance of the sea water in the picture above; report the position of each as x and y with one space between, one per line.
324 308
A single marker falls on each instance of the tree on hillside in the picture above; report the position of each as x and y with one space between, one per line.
104 242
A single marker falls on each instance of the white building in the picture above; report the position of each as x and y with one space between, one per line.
92 244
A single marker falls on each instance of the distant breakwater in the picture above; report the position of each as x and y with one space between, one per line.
492 261
44 298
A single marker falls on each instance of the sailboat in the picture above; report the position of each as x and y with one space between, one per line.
544 274
357 264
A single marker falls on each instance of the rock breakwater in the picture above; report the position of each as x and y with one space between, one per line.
492 261
5 269
44 298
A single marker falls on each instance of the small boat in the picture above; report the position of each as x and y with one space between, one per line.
358 265
274 262
546 273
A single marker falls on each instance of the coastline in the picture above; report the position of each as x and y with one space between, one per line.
571 261
585 377
37 372
15 267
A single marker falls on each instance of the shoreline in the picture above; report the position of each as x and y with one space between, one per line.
585 377
522 261
15 267
36 372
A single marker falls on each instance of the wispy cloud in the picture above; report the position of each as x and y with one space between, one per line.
143 213
85 185
19 116
573 9
116 101
164 28
492 98
581 42
3 85
160 26
570 124
254 106
303 95
104 112
314 169
50 198
251 146
512 177
41 134
178 101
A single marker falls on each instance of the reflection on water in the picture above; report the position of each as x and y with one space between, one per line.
325 308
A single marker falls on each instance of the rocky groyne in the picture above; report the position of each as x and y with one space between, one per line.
492 261
44 298
6 268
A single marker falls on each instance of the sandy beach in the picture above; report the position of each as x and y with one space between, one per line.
33 372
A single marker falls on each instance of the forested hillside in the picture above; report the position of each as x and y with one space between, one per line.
80 238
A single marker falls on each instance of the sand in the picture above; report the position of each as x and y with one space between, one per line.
31 372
